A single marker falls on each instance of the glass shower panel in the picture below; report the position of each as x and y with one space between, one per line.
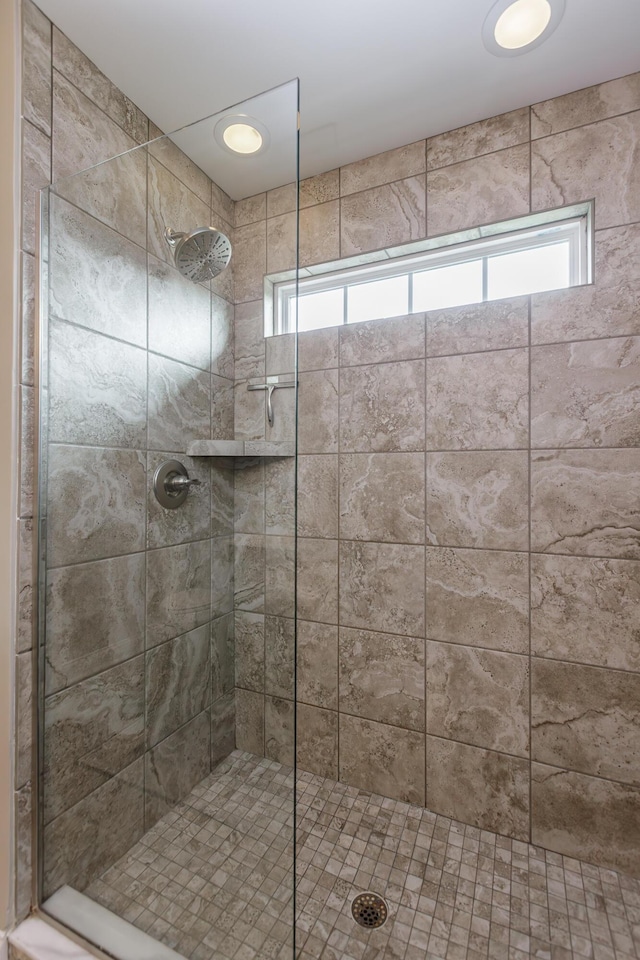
167 553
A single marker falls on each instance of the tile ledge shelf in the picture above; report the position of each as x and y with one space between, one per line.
241 448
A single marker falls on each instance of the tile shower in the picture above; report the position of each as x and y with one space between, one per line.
466 537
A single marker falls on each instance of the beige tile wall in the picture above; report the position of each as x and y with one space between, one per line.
469 480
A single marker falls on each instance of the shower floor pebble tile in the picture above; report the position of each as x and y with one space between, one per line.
212 880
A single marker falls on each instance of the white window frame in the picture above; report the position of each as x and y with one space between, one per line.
576 228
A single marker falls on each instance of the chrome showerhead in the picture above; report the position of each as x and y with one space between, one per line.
201 254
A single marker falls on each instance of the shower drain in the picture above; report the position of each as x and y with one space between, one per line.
369 910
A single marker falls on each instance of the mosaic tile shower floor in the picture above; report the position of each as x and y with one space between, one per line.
212 880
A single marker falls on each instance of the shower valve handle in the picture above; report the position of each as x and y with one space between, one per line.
176 483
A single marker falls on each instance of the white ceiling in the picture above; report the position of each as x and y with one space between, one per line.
373 74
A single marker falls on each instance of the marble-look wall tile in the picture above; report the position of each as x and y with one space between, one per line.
318 349
319 237
585 106
221 476
383 168
586 610
23 823
584 502
317 658
382 407
249 498
479 191
608 307
478 401
93 730
596 160
278 730
249 414
222 576
250 721
586 394
279 657
249 572
222 408
222 337
97 389
318 496
96 503
319 189
25 635
250 209
319 233
281 200
479 598
83 136
249 650
223 728
317 586
382 497
70 61
221 204
480 787
167 151
382 587
382 678
479 697
178 590
222 656
36 174
383 216
95 618
36 67
85 840
478 499
478 326
281 354
476 139
179 404
382 759
317 740
179 316
27 428
318 412
192 521
28 308
249 340
177 683
586 818
171 205
25 719
175 766
379 341
586 719
97 278
280 560
250 261
280 497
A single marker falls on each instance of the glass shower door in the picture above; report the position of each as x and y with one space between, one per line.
167 546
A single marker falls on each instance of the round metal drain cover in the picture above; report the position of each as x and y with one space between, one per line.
369 910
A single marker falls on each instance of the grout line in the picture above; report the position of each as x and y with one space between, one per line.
529 531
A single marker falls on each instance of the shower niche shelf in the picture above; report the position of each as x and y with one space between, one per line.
242 449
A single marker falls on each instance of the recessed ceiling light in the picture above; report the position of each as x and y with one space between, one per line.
244 136
513 27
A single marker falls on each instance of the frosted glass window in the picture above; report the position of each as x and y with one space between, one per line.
378 298
448 286
317 310
529 271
